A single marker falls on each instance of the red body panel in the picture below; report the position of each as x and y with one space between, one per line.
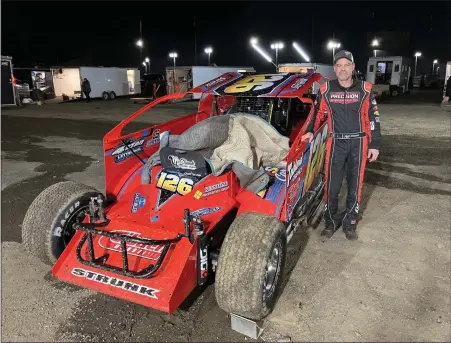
136 209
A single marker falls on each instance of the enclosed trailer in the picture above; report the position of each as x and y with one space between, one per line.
106 83
389 75
182 79
8 87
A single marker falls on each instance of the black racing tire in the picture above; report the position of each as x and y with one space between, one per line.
240 285
47 226
112 95
105 96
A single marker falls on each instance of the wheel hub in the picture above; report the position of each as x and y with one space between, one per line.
272 269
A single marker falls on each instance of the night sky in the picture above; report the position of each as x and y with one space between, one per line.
104 33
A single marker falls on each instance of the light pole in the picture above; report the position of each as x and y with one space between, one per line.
417 54
173 55
147 60
333 45
140 44
277 46
208 51
433 65
254 44
374 44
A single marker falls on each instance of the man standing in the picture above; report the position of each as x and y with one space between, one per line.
86 88
350 109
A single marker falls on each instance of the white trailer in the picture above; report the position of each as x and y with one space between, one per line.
182 79
389 75
106 83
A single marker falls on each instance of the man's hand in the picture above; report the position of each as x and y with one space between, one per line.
373 154
307 137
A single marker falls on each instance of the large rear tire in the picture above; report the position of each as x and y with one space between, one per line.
47 226
251 266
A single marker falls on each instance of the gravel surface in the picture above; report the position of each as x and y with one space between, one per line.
393 284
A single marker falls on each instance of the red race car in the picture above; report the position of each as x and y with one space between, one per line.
218 193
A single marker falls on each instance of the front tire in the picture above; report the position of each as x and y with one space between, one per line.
251 266
47 226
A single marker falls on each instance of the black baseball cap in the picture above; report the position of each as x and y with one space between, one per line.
343 54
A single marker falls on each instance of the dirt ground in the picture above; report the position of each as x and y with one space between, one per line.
393 284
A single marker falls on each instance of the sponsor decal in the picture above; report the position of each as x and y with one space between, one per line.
205 211
344 98
123 152
149 252
155 138
377 120
174 183
182 163
372 125
138 202
217 188
299 83
373 102
374 108
115 282
59 229
294 169
197 195
376 113
214 82
316 158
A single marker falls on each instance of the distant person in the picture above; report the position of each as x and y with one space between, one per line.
447 92
350 108
86 88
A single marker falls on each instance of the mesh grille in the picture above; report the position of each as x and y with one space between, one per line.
254 105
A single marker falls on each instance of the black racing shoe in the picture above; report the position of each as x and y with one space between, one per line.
351 234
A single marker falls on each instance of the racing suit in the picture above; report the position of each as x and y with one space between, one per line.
354 127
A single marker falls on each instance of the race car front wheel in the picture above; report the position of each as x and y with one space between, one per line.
251 266
47 226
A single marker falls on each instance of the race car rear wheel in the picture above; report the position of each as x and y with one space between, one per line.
47 226
251 266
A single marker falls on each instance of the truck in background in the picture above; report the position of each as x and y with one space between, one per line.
8 84
181 79
106 83
389 75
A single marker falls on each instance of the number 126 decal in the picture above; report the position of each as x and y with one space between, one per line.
174 183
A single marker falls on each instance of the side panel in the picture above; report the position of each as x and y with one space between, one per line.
302 168
106 79
68 82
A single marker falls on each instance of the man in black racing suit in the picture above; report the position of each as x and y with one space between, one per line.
350 109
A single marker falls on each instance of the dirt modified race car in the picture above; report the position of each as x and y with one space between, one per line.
215 195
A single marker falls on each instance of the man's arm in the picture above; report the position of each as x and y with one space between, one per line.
316 104
375 124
